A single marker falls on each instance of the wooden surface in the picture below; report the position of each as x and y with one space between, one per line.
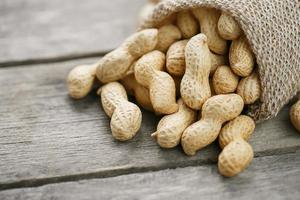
32 31
271 177
48 140
47 137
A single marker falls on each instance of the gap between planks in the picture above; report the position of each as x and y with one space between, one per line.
124 170
15 63
261 180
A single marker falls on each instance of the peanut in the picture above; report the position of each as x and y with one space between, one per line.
295 115
160 84
228 28
114 65
187 24
224 80
215 111
249 88
176 59
171 127
241 127
234 135
80 80
241 57
235 157
141 42
140 93
194 88
208 18
167 35
126 117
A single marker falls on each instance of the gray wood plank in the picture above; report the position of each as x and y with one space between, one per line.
47 137
271 177
46 30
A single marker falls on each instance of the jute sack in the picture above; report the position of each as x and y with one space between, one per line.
273 31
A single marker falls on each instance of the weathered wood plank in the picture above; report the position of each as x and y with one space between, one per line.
43 30
47 137
272 177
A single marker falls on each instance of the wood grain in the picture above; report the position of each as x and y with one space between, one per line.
272 177
47 137
43 30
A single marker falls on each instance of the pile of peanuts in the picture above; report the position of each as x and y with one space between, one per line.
197 71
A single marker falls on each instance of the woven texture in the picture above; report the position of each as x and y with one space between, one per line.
273 30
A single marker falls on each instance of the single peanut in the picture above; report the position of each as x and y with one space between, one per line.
224 80
171 127
228 28
249 88
142 42
240 127
114 65
194 88
295 115
80 80
126 117
187 24
235 134
140 93
160 84
154 60
208 18
241 57
235 157
176 58
167 35
215 111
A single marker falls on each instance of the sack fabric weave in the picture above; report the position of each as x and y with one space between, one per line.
272 28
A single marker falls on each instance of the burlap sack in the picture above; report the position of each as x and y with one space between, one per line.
273 30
